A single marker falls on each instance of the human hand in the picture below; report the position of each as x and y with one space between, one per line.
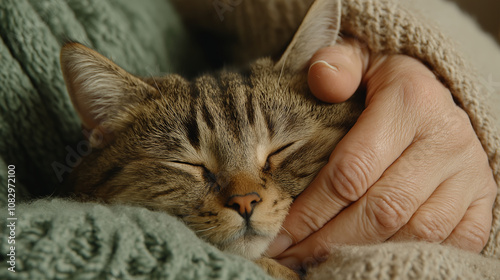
411 168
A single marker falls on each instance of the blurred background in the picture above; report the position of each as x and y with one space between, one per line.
486 12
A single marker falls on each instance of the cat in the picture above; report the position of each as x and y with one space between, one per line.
226 153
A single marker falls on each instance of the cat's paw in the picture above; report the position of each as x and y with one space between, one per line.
277 270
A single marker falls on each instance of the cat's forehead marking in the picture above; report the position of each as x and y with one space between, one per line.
207 117
261 153
249 105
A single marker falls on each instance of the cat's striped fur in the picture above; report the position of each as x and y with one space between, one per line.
186 147
226 153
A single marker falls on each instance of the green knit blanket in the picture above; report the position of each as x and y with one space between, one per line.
40 132
57 239
53 238
38 126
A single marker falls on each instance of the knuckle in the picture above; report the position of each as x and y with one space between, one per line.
475 237
491 189
458 140
452 136
460 131
429 227
350 177
484 182
388 212
477 154
311 220
457 124
463 119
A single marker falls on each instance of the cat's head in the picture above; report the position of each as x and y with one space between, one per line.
226 153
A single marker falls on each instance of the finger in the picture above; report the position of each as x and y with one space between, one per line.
439 215
335 72
460 209
386 207
473 231
357 162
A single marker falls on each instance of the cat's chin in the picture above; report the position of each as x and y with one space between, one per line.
249 246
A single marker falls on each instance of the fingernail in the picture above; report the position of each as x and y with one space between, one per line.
279 244
322 62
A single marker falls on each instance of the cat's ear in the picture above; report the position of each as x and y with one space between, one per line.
100 91
320 28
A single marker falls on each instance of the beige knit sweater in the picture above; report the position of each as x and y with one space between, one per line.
264 27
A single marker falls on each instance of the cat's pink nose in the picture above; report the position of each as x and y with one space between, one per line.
244 204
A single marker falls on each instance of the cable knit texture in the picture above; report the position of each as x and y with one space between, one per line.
57 239
37 119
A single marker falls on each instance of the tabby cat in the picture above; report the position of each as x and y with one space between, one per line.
226 153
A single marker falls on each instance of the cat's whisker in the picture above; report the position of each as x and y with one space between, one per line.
282 70
156 84
207 229
287 86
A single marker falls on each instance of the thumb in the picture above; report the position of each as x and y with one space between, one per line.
335 72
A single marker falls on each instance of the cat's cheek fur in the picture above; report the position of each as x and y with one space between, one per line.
251 248
226 229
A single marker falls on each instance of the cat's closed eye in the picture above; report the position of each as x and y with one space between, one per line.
268 164
207 175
